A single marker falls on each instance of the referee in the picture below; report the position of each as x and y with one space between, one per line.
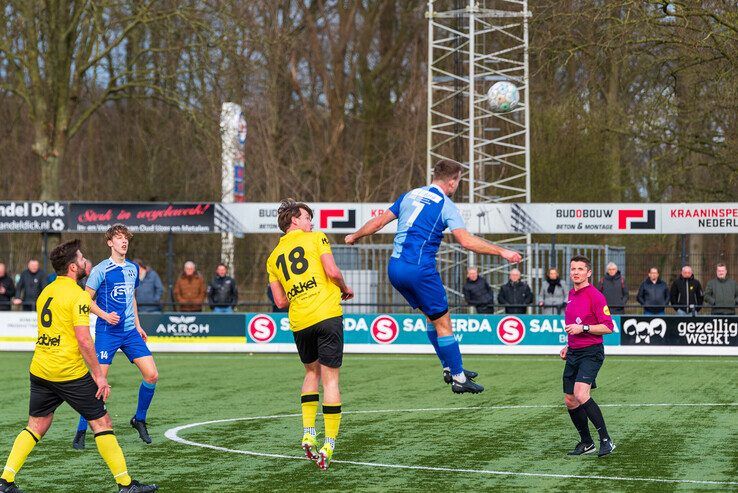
587 320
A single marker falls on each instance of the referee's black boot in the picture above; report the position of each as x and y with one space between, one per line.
6 487
140 427
79 440
136 487
448 378
468 386
606 447
582 448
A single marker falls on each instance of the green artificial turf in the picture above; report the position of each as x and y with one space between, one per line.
697 443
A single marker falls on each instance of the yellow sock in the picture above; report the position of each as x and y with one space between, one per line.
110 451
24 443
309 411
332 419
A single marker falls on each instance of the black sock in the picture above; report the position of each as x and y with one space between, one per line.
579 418
595 416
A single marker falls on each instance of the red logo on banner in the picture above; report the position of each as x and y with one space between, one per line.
384 329
262 329
626 216
510 330
337 218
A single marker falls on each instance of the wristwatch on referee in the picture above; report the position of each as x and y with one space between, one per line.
585 328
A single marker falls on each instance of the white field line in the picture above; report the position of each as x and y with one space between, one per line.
173 434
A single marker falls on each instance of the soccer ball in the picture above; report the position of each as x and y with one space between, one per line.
503 96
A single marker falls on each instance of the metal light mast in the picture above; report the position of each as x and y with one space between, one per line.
471 45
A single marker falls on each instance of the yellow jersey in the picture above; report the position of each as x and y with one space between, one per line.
295 263
60 307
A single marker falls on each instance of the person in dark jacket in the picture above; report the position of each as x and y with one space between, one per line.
7 289
553 294
614 289
653 294
686 294
32 281
275 308
478 293
150 288
721 292
222 291
515 292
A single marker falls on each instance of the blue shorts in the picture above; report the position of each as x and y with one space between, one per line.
130 342
420 285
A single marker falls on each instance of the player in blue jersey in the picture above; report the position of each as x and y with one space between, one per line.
112 285
423 215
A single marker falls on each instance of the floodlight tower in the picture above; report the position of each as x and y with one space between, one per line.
471 45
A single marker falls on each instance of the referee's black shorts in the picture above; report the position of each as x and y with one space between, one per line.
582 365
46 396
321 342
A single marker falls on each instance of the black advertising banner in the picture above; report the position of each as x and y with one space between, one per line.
152 217
33 216
189 325
679 331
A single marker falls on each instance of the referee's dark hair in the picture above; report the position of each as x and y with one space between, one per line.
63 255
581 258
288 209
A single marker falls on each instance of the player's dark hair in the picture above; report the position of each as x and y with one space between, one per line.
63 255
653 268
288 209
446 169
581 258
117 229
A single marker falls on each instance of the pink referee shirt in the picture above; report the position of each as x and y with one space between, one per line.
586 307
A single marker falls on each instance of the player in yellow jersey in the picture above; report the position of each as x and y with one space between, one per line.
59 374
303 275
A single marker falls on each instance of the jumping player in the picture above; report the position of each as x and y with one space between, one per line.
423 215
303 275
112 284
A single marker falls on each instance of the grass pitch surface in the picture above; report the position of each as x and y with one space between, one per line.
512 437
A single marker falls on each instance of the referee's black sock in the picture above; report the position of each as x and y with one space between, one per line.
579 417
595 416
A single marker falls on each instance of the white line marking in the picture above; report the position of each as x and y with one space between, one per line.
173 434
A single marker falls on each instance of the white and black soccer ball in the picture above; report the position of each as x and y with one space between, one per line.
503 96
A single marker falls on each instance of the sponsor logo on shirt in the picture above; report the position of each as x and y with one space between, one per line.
45 340
121 291
302 287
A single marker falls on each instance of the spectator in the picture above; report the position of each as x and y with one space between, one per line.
189 290
222 291
7 289
653 294
275 308
686 294
478 293
32 281
150 288
553 294
614 289
515 293
721 293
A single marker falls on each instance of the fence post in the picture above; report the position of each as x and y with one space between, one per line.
170 266
684 250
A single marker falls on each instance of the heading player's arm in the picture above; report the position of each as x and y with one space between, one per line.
280 297
334 274
482 246
87 348
112 318
371 226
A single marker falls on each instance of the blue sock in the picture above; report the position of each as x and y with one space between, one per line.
449 352
82 425
145 395
433 338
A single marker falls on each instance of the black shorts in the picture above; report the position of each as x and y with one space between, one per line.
321 342
582 365
46 396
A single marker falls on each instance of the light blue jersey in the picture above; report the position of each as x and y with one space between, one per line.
115 285
423 214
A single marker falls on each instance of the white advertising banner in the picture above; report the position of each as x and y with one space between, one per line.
551 218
